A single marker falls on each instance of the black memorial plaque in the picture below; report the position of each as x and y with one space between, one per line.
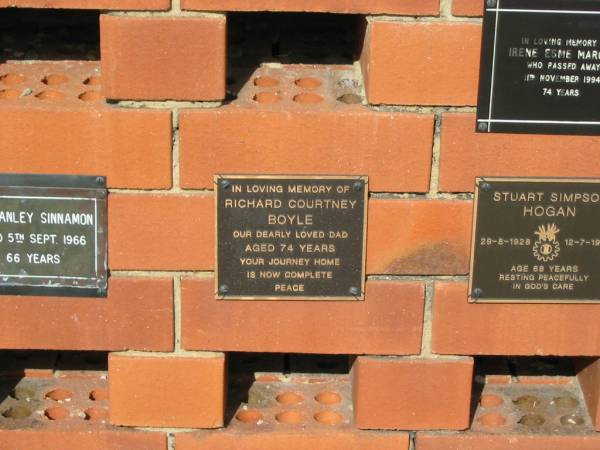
291 237
536 240
540 67
53 235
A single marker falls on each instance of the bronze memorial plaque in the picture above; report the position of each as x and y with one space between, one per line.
291 237
53 235
536 240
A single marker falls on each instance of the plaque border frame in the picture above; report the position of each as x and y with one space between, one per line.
363 281
95 187
484 114
483 179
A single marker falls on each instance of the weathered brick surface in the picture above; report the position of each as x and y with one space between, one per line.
388 321
418 236
484 441
421 63
186 63
138 314
588 375
462 328
287 128
407 7
90 4
412 393
466 154
64 126
467 8
161 232
167 391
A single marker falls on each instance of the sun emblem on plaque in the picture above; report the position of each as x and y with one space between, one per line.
546 248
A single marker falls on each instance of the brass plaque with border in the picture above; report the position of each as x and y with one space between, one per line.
53 235
536 240
290 237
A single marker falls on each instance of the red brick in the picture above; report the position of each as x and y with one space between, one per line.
186 63
588 374
412 393
418 236
138 314
466 154
53 131
167 391
485 441
66 439
323 440
90 4
421 63
161 232
466 328
287 136
467 8
407 7
388 321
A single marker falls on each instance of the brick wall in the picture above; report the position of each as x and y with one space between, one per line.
157 114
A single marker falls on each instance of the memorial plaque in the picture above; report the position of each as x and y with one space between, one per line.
53 235
536 240
291 237
540 67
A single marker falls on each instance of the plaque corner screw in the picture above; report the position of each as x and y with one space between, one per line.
358 186
486 187
225 184
100 181
477 293
491 3
354 291
223 289
482 126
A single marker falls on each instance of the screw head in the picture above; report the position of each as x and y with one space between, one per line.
491 3
482 126
477 293
354 291
358 186
100 181
486 187
225 184
223 289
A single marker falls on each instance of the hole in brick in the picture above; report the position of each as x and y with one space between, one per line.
49 34
99 395
308 83
565 402
12 78
289 398
528 402
90 96
532 420
265 82
328 417
350 99
56 413
92 81
290 417
492 420
54 79
17 412
96 414
249 416
328 398
50 95
267 97
59 395
308 98
9 94
490 400
22 393
571 420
